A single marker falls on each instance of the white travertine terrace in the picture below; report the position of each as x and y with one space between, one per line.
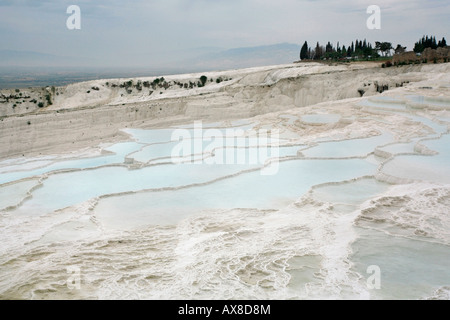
89 182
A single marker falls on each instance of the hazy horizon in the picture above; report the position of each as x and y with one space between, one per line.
31 69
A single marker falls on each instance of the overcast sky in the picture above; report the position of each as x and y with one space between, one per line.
114 30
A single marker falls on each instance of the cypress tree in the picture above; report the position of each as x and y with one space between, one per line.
304 51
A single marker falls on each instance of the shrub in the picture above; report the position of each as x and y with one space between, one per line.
41 104
383 65
388 64
48 97
203 80
17 90
219 80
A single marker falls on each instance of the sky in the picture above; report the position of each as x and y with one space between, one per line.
154 32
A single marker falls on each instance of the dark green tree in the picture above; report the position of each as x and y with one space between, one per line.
418 47
400 49
426 42
319 52
203 80
433 43
384 47
349 52
304 51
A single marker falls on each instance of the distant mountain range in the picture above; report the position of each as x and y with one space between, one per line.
247 57
202 59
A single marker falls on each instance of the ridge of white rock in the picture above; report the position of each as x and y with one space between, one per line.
87 113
